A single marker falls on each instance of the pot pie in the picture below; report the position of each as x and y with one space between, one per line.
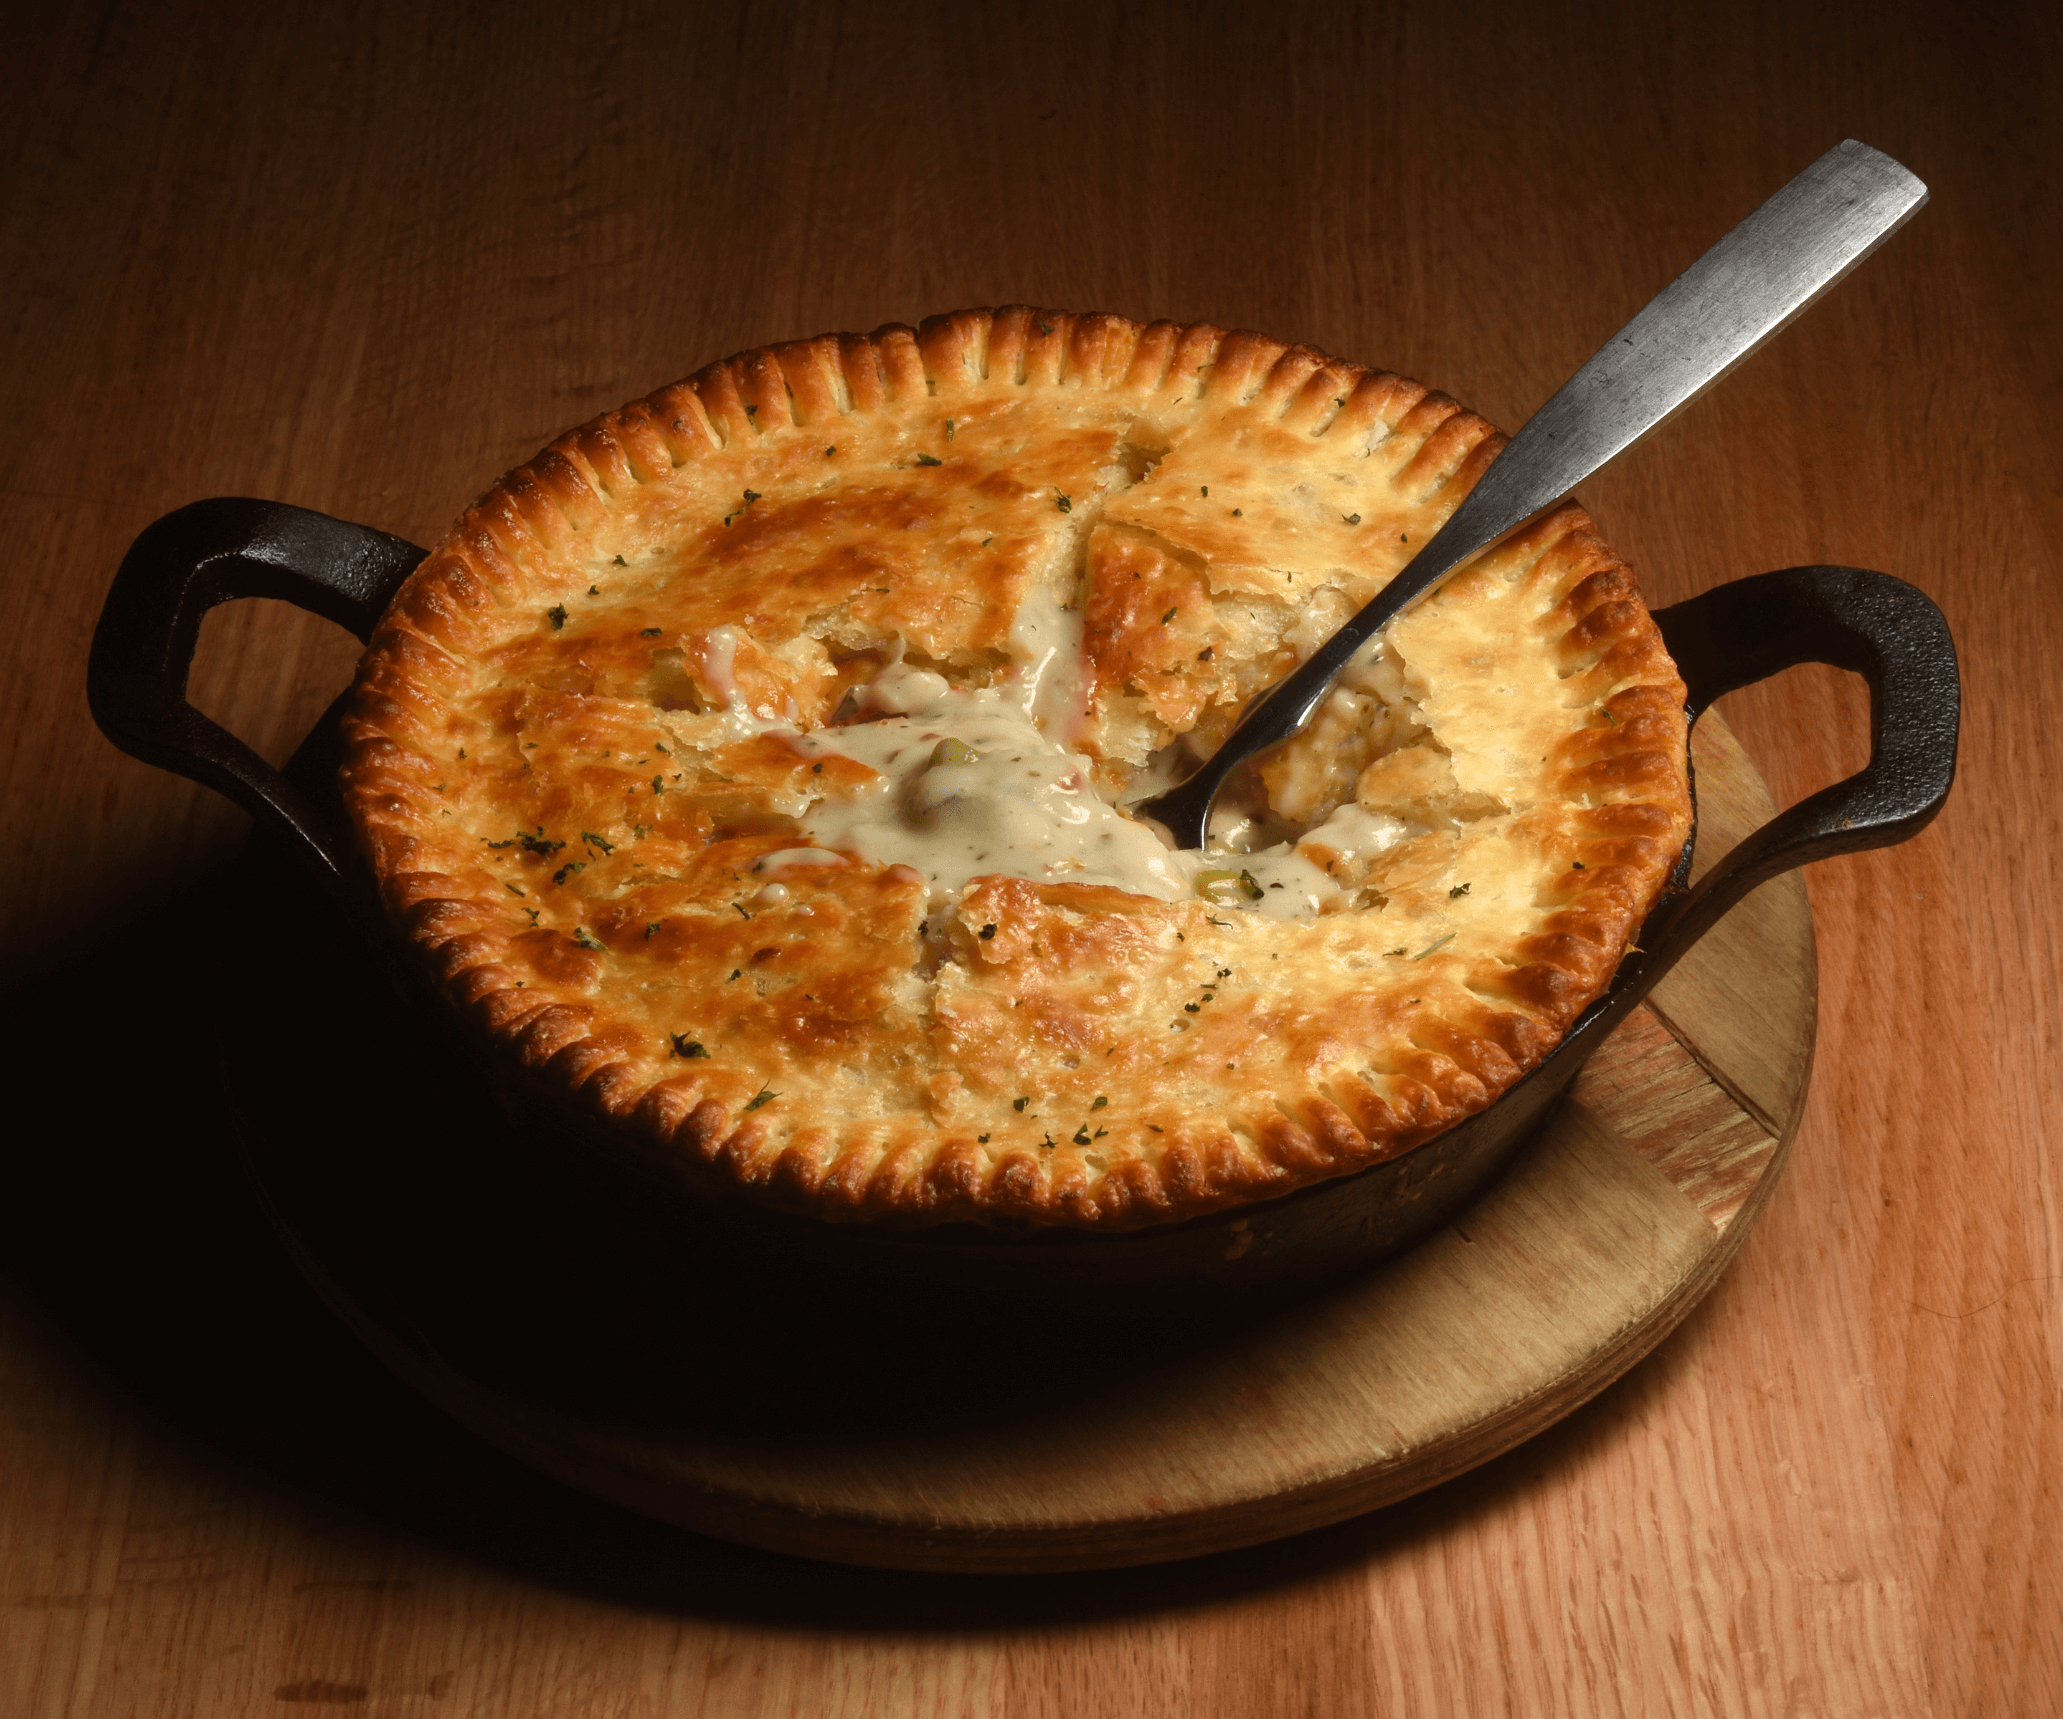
750 767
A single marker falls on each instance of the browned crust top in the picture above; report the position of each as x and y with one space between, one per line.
567 836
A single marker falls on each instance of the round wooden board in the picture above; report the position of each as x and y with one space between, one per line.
566 1327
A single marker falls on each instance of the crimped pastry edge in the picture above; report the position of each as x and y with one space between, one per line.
1470 1054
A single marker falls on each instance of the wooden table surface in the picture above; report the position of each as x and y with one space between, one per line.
366 258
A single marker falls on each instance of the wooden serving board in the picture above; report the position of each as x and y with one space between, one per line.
571 1330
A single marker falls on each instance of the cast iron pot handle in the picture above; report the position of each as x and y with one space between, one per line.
1885 630
183 565
1733 635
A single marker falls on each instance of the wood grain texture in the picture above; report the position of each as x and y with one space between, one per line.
365 259
1608 1229
1174 1441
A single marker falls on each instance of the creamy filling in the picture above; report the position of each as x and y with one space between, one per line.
967 786
1276 881
977 782
1354 833
716 668
1046 645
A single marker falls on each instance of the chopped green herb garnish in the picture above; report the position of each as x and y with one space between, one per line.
595 841
1191 1008
765 1095
651 927
1081 1135
1101 1101
1423 953
740 906
1239 513
981 1140
987 931
832 449
949 429
751 495
1045 328
685 1046
1577 865
929 460
512 889
658 787
735 973
651 632
587 939
1065 503
1457 894
621 562
1206 489
1169 616
1019 1104
556 614
594 590
568 869
1351 518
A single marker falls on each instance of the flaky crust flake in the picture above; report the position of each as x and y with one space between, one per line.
565 832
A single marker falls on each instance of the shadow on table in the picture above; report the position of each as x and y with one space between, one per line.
131 1222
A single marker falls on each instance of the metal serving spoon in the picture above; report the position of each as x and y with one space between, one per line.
1698 327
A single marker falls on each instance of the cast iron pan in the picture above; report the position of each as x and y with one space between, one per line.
217 551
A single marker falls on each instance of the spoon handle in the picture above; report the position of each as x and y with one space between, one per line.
1734 297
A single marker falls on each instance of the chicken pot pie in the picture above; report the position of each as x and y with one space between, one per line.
751 765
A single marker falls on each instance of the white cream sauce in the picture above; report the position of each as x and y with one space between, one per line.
1355 833
1276 881
974 782
1046 644
716 661
967 787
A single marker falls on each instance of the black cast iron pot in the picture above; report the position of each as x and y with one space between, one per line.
217 551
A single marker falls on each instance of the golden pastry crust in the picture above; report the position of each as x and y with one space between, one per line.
553 766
